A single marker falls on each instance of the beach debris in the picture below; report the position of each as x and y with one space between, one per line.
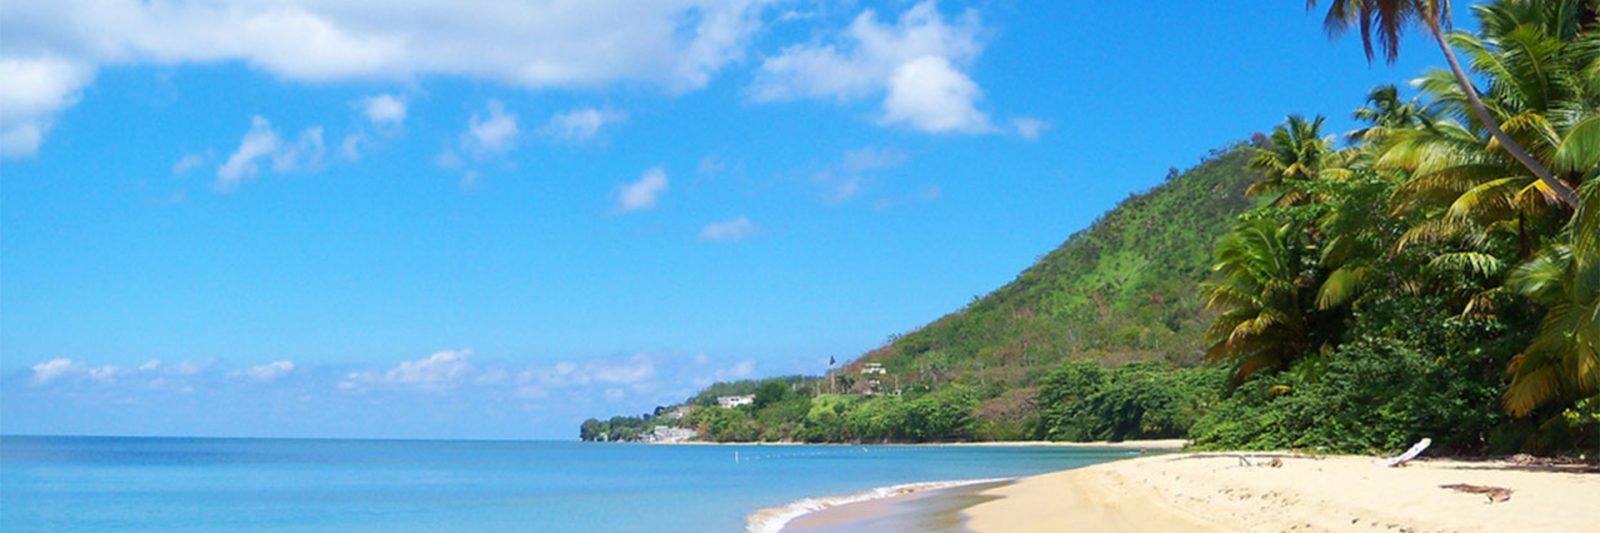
1495 494
1402 459
1274 463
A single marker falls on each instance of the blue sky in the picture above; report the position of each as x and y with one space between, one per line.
492 219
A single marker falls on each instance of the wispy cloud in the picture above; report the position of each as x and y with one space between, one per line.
384 110
187 163
730 230
641 194
263 142
267 372
493 133
844 180
1029 128
582 125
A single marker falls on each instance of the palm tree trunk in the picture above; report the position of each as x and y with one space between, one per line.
1563 192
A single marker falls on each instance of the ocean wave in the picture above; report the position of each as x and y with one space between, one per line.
772 519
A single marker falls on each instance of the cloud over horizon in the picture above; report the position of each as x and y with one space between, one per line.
322 399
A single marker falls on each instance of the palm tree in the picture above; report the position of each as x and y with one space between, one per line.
1294 156
1544 80
1261 322
1563 361
1385 112
1386 20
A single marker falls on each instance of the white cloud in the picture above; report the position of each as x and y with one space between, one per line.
676 45
54 368
62 367
582 125
1030 128
22 139
930 95
264 142
268 372
32 91
729 230
306 152
261 141
440 371
187 163
615 395
915 63
493 134
384 110
641 194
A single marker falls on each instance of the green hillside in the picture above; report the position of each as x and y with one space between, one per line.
1126 288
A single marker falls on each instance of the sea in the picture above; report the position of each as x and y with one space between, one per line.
217 484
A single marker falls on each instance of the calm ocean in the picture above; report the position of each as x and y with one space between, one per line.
115 483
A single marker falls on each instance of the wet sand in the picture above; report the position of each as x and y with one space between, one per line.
929 511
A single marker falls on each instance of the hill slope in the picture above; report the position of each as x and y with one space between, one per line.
1126 288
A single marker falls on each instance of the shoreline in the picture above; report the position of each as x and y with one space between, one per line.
776 519
1219 492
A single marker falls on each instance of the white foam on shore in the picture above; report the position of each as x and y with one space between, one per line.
772 519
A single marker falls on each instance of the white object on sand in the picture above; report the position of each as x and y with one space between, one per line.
1416 449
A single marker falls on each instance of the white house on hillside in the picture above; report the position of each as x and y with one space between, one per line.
729 402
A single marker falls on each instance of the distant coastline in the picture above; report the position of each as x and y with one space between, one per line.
1149 444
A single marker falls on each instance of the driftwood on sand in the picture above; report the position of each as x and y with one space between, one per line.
1495 494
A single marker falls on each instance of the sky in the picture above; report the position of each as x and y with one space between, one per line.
494 219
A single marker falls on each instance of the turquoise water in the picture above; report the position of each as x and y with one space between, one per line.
114 483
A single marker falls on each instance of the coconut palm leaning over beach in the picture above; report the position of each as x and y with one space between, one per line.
1387 20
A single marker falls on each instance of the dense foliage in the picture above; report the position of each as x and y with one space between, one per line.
618 428
1083 401
1422 280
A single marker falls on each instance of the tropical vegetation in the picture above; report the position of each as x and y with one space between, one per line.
1434 273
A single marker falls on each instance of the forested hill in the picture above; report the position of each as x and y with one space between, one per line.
1126 288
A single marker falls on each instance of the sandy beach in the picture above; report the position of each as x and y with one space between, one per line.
1218 492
